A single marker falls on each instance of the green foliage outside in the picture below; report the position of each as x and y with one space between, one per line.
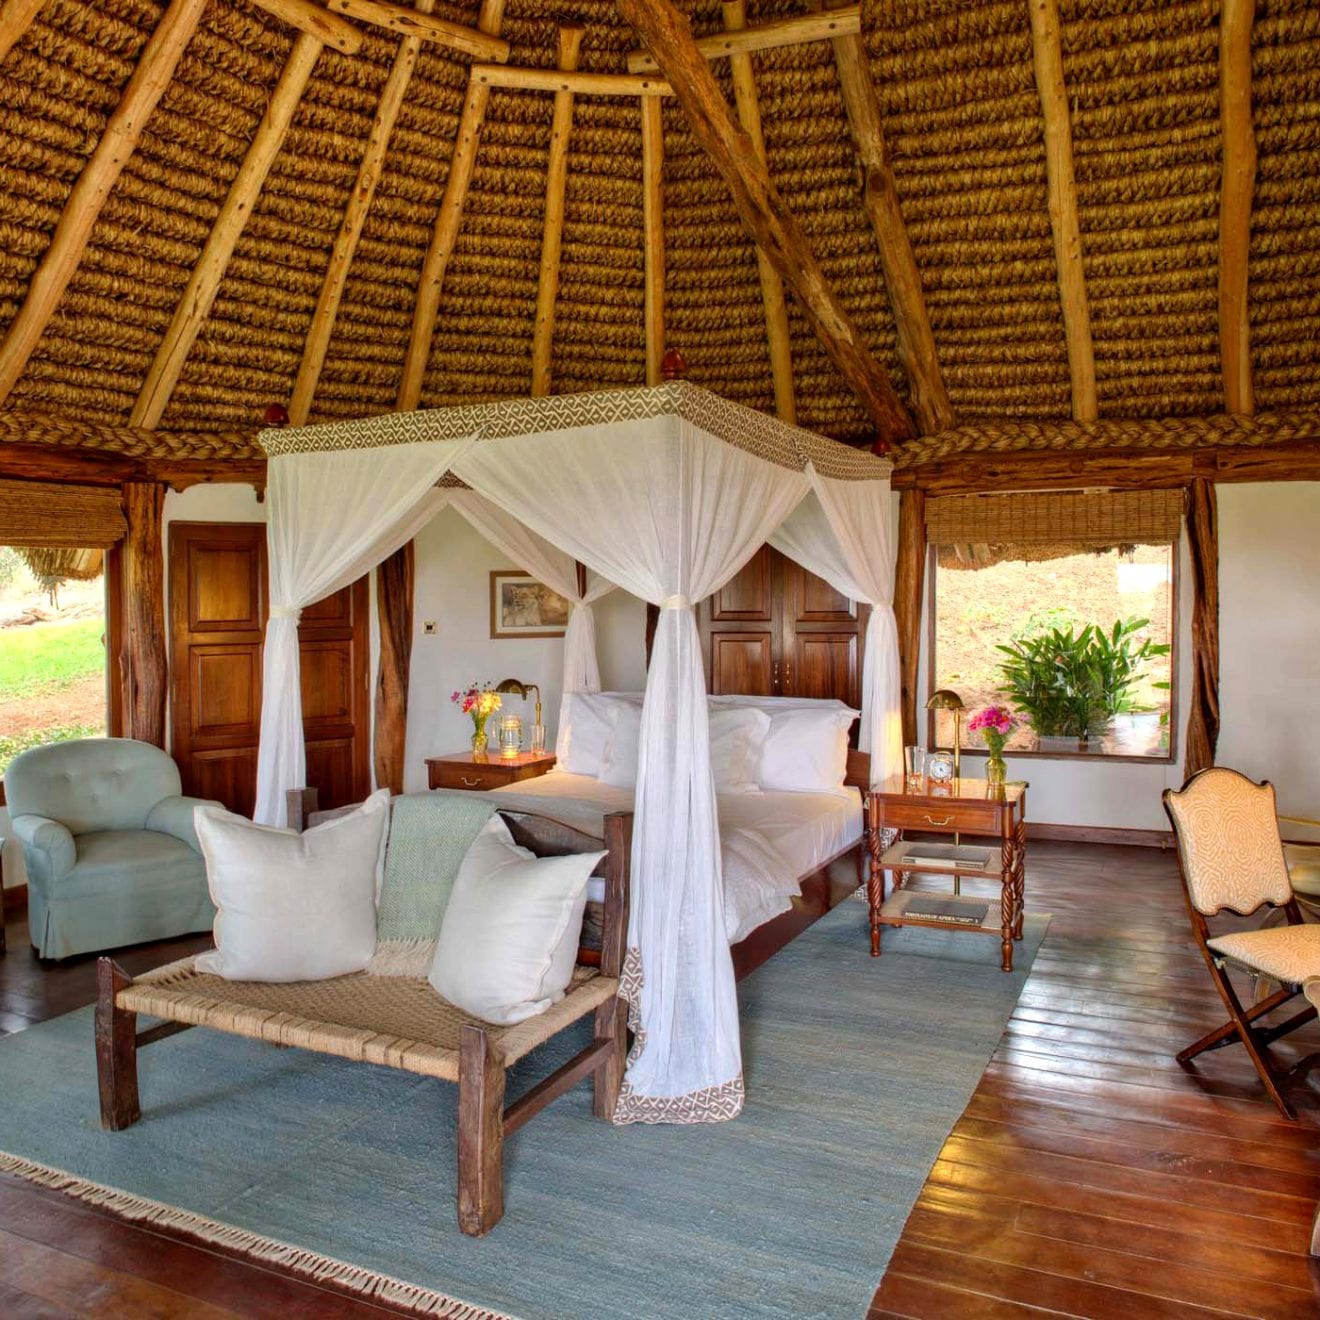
49 657
11 746
1069 681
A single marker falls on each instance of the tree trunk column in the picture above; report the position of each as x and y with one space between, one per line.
1203 549
394 603
909 580
142 664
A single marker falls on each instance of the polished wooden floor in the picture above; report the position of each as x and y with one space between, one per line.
1090 1175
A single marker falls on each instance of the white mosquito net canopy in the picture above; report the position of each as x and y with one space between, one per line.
665 492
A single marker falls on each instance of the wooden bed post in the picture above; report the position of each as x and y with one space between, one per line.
480 1133
612 1016
116 1049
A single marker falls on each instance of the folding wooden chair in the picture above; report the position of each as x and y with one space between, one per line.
1230 856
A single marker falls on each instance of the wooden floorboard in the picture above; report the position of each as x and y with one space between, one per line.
1090 1175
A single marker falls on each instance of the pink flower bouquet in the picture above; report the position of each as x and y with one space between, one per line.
995 723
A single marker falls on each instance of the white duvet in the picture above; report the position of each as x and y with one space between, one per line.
770 841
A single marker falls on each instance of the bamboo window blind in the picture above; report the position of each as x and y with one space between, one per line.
1081 519
37 513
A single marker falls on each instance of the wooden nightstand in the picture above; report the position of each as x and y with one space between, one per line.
460 770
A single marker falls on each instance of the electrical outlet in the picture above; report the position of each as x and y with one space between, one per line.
428 627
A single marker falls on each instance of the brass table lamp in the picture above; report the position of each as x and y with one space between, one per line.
518 689
948 699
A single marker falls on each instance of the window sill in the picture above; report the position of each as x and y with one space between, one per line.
1099 758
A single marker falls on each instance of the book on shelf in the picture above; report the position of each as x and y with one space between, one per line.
955 911
948 855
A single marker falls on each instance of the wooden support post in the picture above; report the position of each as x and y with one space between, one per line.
523 79
420 23
796 30
432 279
122 132
317 22
612 1016
15 19
552 234
909 588
480 1133
653 231
199 295
372 164
1203 551
916 342
116 1049
772 287
1237 185
762 211
1048 55
142 663
394 604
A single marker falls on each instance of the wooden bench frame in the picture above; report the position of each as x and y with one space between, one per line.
483 1118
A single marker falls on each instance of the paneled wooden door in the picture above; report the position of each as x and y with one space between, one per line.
776 630
218 612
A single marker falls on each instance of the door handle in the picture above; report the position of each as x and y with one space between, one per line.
788 677
774 677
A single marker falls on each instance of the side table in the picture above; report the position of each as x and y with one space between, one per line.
463 771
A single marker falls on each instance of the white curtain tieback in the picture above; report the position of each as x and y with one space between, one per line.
675 603
286 612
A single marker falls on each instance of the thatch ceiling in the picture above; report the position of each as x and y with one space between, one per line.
963 124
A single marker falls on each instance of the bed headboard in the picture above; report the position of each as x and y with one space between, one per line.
858 774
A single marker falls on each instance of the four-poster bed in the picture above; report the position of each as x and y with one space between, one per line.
664 492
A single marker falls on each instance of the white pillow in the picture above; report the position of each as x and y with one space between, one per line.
806 750
510 935
737 740
623 748
292 907
584 728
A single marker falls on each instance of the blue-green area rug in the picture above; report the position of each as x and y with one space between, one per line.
856 1071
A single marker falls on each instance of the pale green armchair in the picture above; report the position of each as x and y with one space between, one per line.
109 846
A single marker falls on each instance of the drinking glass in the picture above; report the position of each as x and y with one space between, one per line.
538 739
914 769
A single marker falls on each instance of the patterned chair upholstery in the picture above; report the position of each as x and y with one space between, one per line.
1231 857
108 844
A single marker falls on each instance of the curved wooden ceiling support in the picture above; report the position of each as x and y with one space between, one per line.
653 236
762 211
1236 188
155 69
1047 51
15 18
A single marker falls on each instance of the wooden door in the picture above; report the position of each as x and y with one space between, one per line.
739 626
218 612
822 638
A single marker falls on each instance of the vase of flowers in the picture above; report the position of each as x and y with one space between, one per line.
994 723
481 702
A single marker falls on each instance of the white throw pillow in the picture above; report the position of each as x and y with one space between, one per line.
585 719
737 739
292 907
509 939
806 750
623 748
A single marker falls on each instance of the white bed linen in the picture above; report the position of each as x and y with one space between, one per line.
769 841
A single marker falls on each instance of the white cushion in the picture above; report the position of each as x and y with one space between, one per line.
737 740
585 719
806 750
623 748
509 939
289 906
1284 953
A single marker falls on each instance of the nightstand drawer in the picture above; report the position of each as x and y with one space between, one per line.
951 815
474 776
461 771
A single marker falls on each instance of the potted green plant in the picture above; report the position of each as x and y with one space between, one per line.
1069 682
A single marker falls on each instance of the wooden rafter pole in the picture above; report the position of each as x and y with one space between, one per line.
422 24
122 132
552 235
522 79
772 287
204 283
762 211
432 278
1047 50
16 17
1235 194
794 31
370 168
653 235
916 342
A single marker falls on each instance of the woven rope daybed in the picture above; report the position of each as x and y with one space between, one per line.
396 1022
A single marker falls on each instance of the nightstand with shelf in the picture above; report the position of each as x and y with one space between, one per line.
464 771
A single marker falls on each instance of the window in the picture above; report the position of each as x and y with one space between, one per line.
52 648
1091 631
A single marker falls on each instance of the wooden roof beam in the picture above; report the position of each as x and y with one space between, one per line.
762 211
199 295
1236 188
431 281
15 19
772 287
317 22
122 133
916 342
653 236
796 31
1047 51
524 79
552 234
372 165
423 25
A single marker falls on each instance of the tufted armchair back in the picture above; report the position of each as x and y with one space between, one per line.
91 784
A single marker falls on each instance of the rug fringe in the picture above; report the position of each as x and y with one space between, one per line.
299 1261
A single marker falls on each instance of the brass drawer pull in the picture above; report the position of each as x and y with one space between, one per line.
943 820
470 783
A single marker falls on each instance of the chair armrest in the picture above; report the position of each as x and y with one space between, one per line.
48 848
174 815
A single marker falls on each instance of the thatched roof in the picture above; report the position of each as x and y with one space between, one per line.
962 119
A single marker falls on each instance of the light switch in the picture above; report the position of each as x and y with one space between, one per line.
428 627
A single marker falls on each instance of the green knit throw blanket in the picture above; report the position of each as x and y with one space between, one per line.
430 834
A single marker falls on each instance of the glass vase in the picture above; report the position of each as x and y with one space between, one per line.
478 738
995 769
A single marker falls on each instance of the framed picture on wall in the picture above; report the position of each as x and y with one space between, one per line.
520 606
